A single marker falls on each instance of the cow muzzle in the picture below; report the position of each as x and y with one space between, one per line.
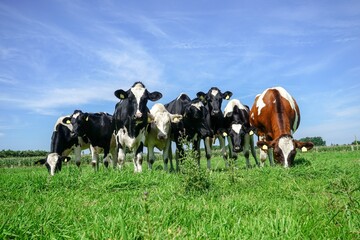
138 114
162 136
237 149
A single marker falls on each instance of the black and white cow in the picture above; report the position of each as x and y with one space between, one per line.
158 133
215 119
193 127
53 162
63 142
99 129
130 119
239 132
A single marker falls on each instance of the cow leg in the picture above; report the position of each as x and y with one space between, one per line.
196 148
106 157
253 152
121 156
170 158
138 159
208 143
222 147
77 152
263 154
95 158
271 156
114 152
179 155
166 154
246 152
150 157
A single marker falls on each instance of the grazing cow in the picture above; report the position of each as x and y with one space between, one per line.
158 133
215 119
130 119
99 129
53 162
276 116
240 133
63 143
192 127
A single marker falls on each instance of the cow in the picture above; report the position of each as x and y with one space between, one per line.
98 128
276 116
238 130
193 126
158 133
215 119
130 120
53 162
63 143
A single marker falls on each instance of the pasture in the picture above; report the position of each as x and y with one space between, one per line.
319 198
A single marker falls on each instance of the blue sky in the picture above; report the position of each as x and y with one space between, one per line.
58 56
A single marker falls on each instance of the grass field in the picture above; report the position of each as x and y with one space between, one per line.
319 198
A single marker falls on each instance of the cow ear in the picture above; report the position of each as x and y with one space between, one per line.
86 116
66 120
65 159
227 95
201 96
121 94
304 146
150 118
154 96
175 118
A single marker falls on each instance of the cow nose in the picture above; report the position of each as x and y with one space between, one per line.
237 149
162 136
138 114
215 111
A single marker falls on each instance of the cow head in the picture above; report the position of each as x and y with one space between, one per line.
196 115
238 126
285 148
53 162
137 97
162 122
214 99
79 122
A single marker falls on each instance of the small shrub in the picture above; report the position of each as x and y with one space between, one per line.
195 179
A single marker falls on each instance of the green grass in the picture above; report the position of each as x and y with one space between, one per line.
319 198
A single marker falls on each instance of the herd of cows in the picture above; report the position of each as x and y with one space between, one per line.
274 117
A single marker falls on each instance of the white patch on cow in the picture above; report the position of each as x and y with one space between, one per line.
231 104
236 128
260 102
198 105
60 121
286 145
214 92
52 159
180 96
138 90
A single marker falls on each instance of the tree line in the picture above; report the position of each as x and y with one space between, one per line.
318 141
26 153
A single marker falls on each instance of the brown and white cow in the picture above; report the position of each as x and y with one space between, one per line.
276 116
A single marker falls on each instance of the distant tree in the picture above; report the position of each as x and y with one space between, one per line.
317 141
355 143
